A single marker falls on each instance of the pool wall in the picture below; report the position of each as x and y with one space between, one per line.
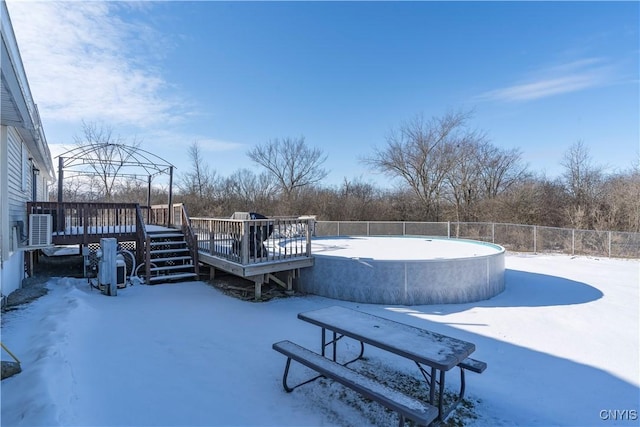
406 282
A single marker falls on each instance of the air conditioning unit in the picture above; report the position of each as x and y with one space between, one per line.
40 229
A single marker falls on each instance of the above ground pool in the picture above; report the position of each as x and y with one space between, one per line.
404 270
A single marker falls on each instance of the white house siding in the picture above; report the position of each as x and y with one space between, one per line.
19 179
23 147
18 186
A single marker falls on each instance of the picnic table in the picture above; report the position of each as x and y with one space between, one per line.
434 354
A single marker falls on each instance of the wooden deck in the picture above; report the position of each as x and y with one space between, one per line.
260 250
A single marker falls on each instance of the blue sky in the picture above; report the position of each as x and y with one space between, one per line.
539 76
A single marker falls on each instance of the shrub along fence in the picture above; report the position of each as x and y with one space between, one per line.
514 237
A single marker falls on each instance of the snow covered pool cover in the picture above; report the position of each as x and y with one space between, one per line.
404 270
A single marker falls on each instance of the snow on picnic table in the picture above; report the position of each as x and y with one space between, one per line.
561 344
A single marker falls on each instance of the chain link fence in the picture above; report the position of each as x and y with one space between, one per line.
514 237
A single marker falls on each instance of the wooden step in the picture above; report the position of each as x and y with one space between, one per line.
170 255
165 235
174 259
171 267
171 277
168 243
168 251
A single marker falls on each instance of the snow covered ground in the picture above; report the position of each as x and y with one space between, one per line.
561 343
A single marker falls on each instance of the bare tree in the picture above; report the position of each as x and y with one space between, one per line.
620 209
359 201
419 152
291 162
199 180
463 178
197 186
249 191
500 169
80 189
583 183
108 153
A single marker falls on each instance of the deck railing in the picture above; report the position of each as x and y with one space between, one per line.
87 222
254 241
159 215
189 236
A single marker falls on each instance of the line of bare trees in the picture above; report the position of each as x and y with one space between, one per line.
442 169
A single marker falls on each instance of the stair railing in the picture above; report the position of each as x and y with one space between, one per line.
141 235
189 236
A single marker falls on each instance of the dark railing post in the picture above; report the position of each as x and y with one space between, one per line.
148 193
309 222
212 238
169 218
140 235
194 251
85 224
60 178
147 259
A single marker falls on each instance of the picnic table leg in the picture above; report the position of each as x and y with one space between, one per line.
432 389
334 343
286 374
433 381
441 416
444 413
429 379
462 384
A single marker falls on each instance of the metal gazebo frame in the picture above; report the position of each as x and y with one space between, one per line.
82 160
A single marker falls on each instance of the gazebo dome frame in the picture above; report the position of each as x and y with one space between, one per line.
82 161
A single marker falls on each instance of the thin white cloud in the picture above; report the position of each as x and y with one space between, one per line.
84 62
174 138
219 145
566 78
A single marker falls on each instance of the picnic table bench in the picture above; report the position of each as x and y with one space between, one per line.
433 353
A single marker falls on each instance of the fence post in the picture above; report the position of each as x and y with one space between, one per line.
573 241
448 229
609 244
535 239
493 232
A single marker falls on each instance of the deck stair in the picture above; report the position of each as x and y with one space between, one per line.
169 258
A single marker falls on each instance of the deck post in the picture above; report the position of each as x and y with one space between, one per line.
244 246
290 276
308 237
258 287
